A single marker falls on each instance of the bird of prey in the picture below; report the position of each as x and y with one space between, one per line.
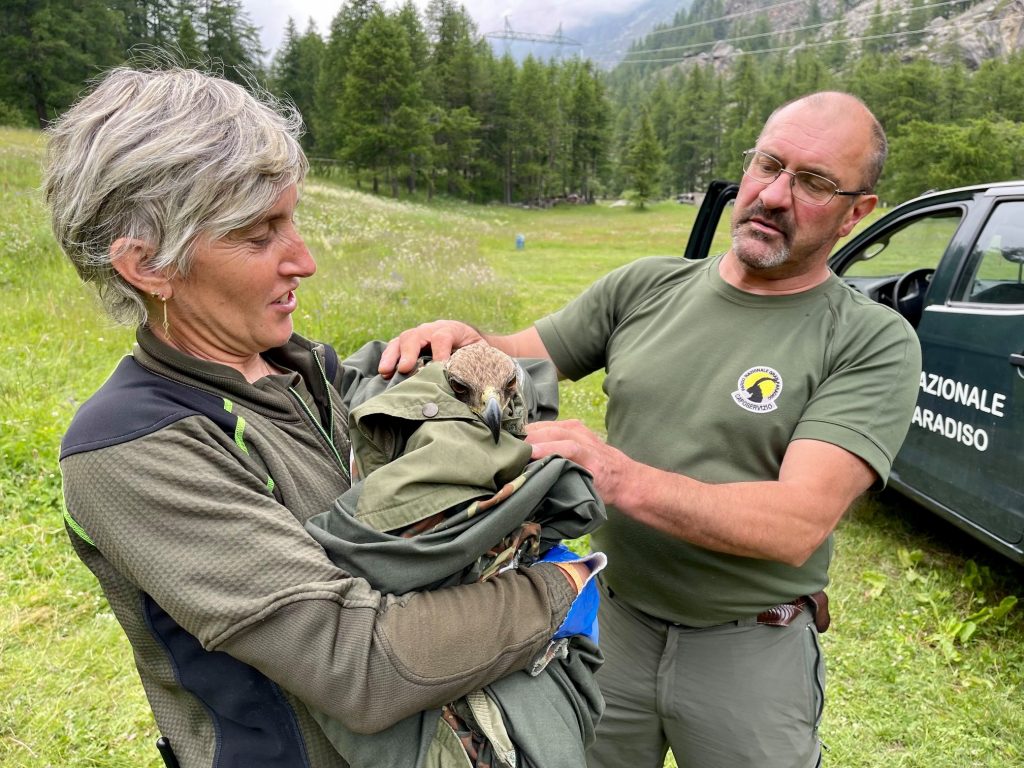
486 380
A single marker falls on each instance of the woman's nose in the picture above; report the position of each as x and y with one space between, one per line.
299 261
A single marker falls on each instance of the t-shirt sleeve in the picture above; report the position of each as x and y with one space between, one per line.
866 402
576 336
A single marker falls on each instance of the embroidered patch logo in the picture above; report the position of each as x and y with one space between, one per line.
758 389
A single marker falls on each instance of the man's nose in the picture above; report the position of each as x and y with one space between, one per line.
779 193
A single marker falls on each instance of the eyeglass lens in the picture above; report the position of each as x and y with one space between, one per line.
806 186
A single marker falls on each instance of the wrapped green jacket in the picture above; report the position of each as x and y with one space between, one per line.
423 456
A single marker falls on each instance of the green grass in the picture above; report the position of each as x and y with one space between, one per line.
909 685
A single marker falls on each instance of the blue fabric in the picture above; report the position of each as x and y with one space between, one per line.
582 616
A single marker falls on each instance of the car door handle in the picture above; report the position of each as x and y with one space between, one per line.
1017 359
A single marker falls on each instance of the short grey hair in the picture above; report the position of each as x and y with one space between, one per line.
165 157
875 161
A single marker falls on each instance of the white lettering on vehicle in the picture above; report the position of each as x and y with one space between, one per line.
948 427
965 394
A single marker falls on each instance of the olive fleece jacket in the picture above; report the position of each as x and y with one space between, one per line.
186 490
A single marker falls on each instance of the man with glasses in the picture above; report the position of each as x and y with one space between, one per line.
751 398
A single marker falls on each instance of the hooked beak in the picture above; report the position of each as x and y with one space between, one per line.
491 414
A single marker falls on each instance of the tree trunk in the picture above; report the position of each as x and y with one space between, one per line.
508 176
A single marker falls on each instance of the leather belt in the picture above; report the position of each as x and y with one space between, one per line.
783 615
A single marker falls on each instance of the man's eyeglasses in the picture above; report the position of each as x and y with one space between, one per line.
806 186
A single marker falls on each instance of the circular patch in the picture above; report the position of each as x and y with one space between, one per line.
758 389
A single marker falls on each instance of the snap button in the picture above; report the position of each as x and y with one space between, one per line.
430 410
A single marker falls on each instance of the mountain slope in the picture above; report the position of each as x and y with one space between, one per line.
607 38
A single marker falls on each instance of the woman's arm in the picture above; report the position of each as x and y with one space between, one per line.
190 526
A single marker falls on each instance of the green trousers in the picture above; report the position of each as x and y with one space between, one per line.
737 695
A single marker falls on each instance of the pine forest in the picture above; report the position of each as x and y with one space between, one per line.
403 100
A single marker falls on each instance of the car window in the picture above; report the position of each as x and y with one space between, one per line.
997 262
915 244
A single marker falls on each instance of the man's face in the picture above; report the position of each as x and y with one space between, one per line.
774 233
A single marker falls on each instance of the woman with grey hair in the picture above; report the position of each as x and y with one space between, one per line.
188 476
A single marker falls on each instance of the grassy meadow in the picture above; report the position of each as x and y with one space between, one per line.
923 670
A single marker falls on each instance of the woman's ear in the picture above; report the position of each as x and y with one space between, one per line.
131 258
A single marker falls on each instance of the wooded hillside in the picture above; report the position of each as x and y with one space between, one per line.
407 102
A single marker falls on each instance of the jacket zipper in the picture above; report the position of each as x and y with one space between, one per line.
325 434
327 438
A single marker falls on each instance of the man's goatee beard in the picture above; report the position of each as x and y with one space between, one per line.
769 260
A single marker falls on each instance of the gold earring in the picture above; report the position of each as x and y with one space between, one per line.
163 300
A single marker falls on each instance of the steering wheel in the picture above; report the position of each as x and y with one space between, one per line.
908 293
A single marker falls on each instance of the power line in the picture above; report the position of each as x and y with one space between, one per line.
556 39
727 17
905 10
818 44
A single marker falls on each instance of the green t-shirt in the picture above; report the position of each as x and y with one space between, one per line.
713 382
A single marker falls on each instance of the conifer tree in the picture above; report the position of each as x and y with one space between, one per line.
587 121
50 48
420 155
491 107
152 23
189 47
935 156
334 67
230 39
533 103
452 80
294 73
689 131
500 139
835 54
742 120
381 102
877 28
643 162
451 74
415 34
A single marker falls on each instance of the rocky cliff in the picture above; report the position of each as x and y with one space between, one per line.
940 30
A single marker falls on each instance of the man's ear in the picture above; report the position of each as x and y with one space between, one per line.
865 204
131 257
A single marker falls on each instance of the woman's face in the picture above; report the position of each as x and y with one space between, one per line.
238 298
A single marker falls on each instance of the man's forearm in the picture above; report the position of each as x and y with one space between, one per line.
524 343
443 336
784 520
771 520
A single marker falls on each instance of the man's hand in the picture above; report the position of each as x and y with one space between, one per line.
441 336
574 441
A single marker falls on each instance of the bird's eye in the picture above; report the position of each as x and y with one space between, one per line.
457 386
